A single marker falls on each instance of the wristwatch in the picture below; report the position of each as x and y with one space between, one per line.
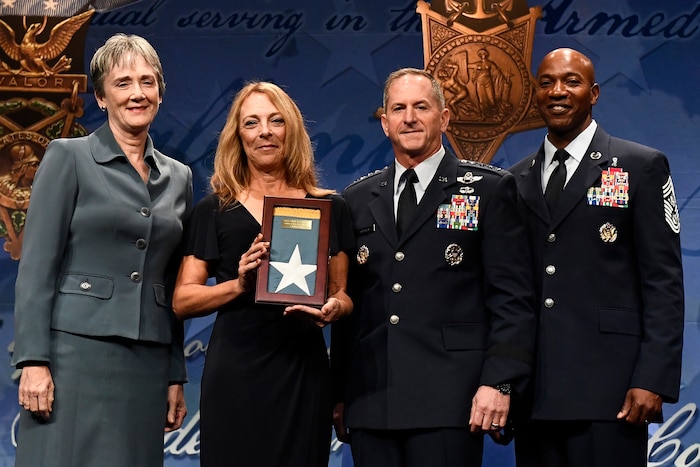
504 388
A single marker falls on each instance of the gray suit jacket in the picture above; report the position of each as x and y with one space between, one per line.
99 247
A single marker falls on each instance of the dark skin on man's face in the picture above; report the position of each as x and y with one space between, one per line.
566 93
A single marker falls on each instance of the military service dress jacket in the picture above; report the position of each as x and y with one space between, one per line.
608 270
439 312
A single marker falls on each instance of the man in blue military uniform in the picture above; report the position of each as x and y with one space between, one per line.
602 217
442 328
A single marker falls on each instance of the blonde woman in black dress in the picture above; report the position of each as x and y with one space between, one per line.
265 396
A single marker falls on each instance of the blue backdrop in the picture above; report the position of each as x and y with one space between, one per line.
332 57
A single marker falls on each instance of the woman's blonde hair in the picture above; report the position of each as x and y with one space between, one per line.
231 174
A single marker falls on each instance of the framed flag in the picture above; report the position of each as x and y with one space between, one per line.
295 270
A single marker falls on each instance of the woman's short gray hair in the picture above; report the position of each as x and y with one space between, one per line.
115 50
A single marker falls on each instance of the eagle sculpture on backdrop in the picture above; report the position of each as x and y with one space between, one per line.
33 56
39 101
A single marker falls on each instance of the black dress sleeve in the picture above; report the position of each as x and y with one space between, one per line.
201 237
342 235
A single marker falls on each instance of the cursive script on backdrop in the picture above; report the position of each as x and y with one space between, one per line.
560 17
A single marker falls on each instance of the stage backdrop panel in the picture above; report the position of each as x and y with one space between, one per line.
332 57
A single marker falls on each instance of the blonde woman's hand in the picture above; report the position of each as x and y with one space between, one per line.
331 311
250 262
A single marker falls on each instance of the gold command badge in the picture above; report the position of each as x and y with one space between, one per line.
362 254
481 52
608 232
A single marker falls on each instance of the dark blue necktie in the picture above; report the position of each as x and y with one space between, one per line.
407 206
556 182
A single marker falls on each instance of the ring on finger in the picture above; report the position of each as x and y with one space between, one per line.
495 425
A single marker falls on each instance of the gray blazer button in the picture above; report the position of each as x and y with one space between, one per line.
85 286
549 302
145 212
135 277
399 256
550 269
396 287
393 319
140 243
551 238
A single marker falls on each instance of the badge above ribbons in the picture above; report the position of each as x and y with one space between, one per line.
481 52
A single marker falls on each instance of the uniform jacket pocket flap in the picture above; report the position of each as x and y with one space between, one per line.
85 284
620 321
159 291
465 336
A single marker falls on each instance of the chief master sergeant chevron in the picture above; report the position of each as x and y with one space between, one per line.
443 326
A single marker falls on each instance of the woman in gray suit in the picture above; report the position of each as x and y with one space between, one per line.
99 347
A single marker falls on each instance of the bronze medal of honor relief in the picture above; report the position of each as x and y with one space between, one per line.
38 102
481 51
41 75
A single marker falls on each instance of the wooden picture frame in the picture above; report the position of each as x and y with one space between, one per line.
296 267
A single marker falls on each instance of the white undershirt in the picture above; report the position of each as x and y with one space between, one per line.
425 171
576 149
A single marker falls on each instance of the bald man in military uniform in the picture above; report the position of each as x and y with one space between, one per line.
607 262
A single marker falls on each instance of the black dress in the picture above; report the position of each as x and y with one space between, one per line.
265 395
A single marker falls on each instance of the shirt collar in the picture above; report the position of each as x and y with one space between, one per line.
108 148
576 148
425 171
150 155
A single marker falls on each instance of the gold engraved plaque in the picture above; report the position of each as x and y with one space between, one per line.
296 224
481 52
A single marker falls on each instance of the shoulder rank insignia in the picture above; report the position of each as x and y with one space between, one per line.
364 177
479 164
671 214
